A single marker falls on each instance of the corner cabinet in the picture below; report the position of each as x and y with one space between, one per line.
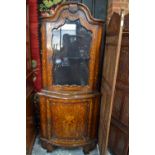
70 98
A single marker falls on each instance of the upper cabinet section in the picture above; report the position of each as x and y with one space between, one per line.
71 41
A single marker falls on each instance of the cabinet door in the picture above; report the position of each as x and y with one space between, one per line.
69 122
66 123
110 68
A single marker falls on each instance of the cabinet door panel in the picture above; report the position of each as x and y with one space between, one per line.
69 120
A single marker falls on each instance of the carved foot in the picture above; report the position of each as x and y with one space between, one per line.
49 147
88 148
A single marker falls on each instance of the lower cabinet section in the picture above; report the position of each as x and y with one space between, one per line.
69 120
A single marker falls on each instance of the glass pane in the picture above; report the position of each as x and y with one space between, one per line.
71 46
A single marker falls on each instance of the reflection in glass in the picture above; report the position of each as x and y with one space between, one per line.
71 45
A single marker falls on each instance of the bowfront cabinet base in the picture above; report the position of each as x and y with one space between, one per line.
69 120
87 148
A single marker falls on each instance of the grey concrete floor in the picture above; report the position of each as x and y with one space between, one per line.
38 150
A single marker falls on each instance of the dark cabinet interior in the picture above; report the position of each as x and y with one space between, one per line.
72 36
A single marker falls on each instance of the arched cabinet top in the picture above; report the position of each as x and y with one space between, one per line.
72 11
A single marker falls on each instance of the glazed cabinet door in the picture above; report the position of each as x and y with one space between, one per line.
71 48
110 68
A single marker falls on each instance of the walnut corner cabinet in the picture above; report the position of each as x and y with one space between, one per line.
70 97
